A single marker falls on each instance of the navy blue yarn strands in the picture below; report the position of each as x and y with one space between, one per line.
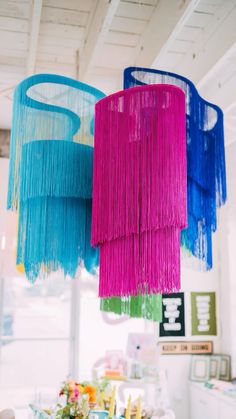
50 179
206 173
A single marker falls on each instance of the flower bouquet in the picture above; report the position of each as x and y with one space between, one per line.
77 400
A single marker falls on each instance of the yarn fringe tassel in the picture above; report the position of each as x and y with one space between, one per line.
54 233
206 174
139 190
148 307
50 175
49 107
145 264
55 208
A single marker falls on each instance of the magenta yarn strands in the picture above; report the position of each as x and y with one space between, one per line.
139 189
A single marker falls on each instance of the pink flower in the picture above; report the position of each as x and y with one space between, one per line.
74 394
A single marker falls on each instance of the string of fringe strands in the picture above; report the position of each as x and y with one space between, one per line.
50 179
49 107
55 208
139 189
206 173
141 306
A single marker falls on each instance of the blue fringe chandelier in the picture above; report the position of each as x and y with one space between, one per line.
50 178
206 173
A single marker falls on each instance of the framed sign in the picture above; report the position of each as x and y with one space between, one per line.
203 305
173 315
183 348
225 368
200 368
215 365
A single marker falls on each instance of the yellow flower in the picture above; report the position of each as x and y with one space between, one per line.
81 388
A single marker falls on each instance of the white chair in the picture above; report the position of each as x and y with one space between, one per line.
7 414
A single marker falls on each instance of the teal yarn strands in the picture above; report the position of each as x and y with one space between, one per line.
50 180
54 209
147 306
48 107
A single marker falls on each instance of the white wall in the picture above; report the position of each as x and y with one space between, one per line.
8 226
177 366
221 279
228 261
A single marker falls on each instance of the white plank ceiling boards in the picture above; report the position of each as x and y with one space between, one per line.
93 40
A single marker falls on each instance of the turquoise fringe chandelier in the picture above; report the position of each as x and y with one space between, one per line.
50 179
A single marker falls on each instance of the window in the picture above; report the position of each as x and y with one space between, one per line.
51 330
35 337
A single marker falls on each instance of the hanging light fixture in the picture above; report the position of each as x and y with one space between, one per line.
206 173
50 179
139 190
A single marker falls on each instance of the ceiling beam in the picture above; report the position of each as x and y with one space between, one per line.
230 126
220 89
103 15
230 108
218 83
217 37
216 67
167 20
34 35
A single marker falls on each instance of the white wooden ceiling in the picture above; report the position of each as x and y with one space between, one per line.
93 40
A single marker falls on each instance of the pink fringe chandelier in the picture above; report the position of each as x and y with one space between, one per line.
139 189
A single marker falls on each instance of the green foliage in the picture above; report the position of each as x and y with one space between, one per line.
72 410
